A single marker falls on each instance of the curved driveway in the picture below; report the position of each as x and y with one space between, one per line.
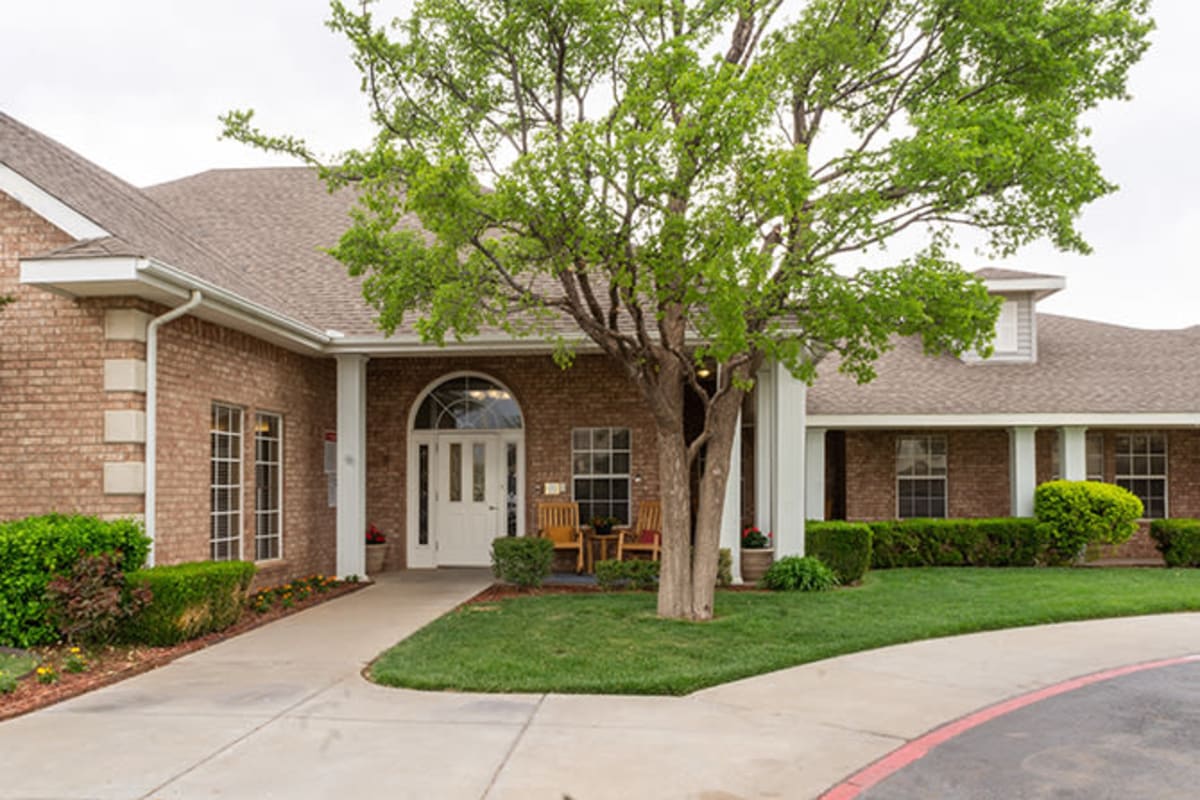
281 712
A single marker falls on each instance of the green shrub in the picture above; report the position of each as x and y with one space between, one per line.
1073 514
844 547
188 600
523 560
635 574
643 573
799 573
35 549
1178 540
724 567
90 602
610 574
1001 542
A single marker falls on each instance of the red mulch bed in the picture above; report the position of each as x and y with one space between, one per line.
505 591
112 663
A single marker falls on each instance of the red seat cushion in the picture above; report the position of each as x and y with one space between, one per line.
648 537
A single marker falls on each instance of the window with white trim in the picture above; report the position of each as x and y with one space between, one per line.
600 471
268 486
1142 469
921 476
225 526
1007 341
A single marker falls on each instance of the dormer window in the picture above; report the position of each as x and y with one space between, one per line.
1015 341
1008 340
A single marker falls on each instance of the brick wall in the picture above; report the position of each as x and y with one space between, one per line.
977 462
52 398
977 482
201 363
553 401
1183 486
1045 442
870 475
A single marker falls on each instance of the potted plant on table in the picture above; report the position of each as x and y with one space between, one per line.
376 549
758 553
603 526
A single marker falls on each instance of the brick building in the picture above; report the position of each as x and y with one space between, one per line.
187 353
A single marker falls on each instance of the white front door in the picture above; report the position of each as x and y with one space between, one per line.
469 498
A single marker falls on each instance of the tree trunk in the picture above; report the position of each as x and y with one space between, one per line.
689 558
723 420
675 580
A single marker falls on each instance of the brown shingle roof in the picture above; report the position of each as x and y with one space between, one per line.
999 273
139 226
274 223
1082 367
277 222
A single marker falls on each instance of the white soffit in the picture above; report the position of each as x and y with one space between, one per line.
47 206
1040 287
1048 420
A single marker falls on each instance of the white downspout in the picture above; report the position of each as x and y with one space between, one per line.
152 412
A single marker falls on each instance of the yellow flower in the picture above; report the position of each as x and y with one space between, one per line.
74 649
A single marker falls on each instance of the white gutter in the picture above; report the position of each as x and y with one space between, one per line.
152 412
235 304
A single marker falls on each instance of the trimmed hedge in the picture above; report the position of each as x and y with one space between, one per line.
35 549
188 600
1002 542
1073 514
844 547
1178 540
523 560
636 573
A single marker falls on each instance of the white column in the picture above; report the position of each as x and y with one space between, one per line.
731 517
1072 441
764 438
1022 469
351 465
787 488
814 473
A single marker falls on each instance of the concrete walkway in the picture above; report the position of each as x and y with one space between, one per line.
282 712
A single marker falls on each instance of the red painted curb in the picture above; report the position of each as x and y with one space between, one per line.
919 747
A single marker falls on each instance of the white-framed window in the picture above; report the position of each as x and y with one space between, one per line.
1007 339
921 476
225 528
601 460
1142 469
268 486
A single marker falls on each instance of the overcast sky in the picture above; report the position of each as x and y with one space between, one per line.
137 85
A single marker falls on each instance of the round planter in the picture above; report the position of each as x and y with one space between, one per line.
375 556
755 563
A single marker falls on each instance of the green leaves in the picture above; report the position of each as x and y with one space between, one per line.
698 176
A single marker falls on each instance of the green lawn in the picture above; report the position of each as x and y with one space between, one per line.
615 644
14 664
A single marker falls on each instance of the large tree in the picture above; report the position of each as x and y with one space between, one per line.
682 180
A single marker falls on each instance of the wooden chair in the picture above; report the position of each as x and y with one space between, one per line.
559 522
646 534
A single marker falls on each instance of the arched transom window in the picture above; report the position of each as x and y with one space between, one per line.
468 403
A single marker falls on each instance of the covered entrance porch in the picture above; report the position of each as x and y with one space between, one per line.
446 454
